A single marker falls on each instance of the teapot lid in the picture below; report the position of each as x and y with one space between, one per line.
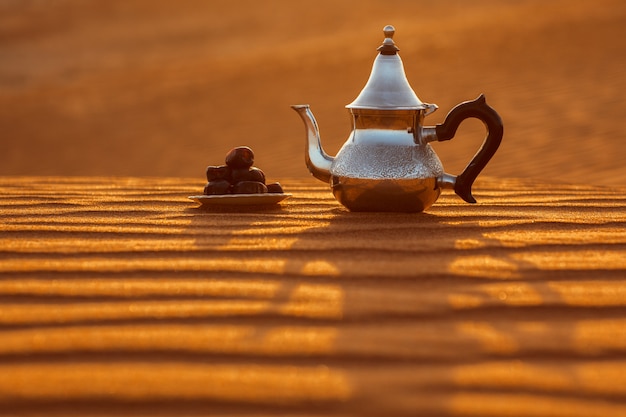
388 87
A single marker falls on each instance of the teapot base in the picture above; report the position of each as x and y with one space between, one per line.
408 195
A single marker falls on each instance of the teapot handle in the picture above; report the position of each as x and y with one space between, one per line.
481 110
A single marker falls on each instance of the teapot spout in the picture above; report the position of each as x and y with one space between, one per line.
317 161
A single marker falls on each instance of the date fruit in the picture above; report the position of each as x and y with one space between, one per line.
221 172
240 157
249 187
238 176
274 188
217 187
248 174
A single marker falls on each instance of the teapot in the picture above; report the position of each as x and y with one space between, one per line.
387 163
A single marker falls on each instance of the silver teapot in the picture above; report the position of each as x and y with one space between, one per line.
387 163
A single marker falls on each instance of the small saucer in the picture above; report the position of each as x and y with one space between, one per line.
240 199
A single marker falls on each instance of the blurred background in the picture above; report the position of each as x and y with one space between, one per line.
164 88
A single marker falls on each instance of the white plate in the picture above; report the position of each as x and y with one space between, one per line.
239 199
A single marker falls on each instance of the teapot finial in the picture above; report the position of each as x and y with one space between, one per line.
388 47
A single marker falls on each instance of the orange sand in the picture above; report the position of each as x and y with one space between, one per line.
119 296
165 88
122 297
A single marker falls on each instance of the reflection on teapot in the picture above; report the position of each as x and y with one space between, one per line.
387 163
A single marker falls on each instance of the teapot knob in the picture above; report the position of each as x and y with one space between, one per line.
389 31
388 47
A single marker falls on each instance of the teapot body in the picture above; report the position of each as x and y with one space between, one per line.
384 165
387 163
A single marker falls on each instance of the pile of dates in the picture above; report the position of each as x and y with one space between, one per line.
238 176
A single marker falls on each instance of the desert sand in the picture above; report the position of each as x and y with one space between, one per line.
161 88
120 296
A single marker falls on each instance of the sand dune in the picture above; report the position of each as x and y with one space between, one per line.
122 297
163 88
